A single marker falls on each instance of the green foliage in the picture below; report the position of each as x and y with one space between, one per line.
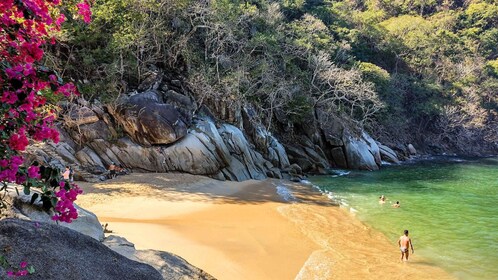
375 74
492 67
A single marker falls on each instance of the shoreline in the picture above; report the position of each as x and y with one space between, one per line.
246 230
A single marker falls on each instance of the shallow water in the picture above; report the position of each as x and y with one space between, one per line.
449 205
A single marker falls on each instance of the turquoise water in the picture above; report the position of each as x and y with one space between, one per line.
449 205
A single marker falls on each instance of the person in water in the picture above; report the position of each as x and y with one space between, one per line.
396 205
404 241
382 199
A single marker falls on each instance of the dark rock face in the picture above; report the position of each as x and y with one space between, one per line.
60 253
149 122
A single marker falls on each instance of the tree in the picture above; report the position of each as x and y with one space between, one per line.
25 27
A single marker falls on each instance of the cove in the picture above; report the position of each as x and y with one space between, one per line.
448 204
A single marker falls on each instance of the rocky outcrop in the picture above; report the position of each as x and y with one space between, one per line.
60 253
169 265
328 143
162 129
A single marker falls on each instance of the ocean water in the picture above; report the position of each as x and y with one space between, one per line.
449 205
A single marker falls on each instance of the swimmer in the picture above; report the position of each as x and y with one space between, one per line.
396 205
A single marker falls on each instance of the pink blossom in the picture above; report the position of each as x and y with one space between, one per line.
18 141
9 97
84 10
34 172
23 264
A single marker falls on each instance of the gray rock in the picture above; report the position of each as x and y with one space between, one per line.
60 253
388 154
412 149
80 115
373 147
87 157
240 149
89 132
264 141
339 157
149 122
358 154
87 222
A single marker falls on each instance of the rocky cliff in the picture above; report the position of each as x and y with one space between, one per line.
163 129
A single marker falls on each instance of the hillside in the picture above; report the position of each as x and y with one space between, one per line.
419 71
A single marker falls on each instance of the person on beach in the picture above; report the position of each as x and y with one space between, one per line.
112 170
66 173
403 242
71 174
396 205
382 199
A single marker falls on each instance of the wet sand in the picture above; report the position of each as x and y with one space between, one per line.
247 230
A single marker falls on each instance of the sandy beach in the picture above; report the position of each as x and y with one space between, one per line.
247 230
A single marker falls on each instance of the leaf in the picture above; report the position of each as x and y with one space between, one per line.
34 197
31 269
26 190
17 191
54 201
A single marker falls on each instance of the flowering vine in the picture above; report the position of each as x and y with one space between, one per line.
25 27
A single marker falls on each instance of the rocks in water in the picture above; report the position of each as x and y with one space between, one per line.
362 152
387 154
149 122
169 265
60 253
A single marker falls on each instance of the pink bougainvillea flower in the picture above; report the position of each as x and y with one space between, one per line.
34 172
84 10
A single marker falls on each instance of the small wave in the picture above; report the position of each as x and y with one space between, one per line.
339 172
305 182
285 193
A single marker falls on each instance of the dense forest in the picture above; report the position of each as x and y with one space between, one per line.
419 71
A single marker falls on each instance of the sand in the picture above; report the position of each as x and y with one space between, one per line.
247 230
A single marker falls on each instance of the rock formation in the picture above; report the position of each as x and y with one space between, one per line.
162 129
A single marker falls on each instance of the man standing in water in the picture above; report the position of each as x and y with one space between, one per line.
403 242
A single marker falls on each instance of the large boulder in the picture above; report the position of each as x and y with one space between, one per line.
148 121
387 154
60 253
358 154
